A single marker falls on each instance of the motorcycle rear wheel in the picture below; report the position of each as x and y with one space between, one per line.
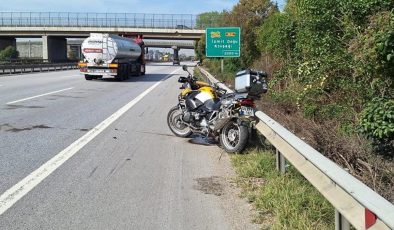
175 123
234 137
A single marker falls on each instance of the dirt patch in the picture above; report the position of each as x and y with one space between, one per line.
237 210
210 185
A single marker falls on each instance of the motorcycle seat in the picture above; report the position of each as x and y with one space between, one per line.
236 95
212 105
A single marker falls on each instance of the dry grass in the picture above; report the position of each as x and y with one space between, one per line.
282 201
351 152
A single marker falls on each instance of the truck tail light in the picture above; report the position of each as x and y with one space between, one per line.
82 65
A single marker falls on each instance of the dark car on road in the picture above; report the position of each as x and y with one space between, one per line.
182 27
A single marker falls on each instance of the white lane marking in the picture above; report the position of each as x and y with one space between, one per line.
16 192
41 95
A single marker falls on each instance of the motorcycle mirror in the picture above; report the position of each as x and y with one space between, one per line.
182 79
184 67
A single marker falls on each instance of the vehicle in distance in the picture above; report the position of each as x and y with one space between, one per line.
182 27
176 61
112 55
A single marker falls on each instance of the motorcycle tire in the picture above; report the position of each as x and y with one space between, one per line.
174 122
234 137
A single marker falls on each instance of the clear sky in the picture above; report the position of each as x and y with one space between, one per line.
122 6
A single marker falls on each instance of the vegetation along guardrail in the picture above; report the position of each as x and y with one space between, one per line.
355 203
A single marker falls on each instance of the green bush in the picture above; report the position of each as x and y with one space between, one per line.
377 119
9 53
334 55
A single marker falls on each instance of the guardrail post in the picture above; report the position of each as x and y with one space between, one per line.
341 223
280 162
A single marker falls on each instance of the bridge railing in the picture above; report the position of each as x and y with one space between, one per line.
355 203
127 20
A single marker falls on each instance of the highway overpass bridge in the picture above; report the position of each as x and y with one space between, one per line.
55 28
33 49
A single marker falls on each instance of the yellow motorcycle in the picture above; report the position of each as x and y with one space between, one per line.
210 111
196 100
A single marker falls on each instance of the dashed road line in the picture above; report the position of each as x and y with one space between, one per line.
41 95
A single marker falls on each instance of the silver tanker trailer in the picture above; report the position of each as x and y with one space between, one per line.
112 55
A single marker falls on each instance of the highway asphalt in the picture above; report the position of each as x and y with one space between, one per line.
131 173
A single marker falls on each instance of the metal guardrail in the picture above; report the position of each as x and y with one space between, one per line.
68 19
152 43
354 202
30 68
19 61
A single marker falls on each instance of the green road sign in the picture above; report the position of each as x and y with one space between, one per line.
223 42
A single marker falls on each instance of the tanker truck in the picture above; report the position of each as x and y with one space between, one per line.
112 55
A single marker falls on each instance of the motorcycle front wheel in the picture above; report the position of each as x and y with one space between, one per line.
234 137
176 124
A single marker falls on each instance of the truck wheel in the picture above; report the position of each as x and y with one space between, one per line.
121 74
88 77
118 77
125 76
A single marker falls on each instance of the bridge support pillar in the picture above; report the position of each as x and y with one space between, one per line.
54 48
7 41
176 52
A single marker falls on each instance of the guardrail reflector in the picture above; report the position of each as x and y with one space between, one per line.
370 218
